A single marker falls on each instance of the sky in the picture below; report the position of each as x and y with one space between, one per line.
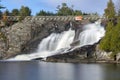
89 6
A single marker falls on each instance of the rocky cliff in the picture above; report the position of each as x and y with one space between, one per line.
24 37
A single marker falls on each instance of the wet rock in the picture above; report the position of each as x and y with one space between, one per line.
88 53
23 37
85 52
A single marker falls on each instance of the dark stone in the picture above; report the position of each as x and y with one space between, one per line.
77 55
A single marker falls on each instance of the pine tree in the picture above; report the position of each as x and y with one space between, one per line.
25 11
1 7
15 12
64 10
110 10
105 43
115 39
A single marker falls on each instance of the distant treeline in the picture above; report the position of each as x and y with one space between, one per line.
62 10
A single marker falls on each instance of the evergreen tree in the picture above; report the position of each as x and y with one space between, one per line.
44 13
110 10
111 40
64 10
25 11
105 43
1 7
77 12
115 39
6 13
15 12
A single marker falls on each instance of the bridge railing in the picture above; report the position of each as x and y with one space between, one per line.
48 18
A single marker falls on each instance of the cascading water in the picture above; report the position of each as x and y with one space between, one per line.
91 34
53 44
57 43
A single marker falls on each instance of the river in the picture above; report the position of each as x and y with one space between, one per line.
37 70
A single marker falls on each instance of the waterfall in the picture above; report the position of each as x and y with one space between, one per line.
91 34
51 45
58 43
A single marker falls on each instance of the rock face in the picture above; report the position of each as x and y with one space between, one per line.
74 56
3 45
89 53
24 37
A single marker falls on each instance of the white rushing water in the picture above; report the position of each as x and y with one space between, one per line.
91 34
58 43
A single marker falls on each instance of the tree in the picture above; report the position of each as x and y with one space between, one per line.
44 13
110 10
77 12
15 12
111 41
1 14
105 43
1 7
25 11
64 10
115 39
6 13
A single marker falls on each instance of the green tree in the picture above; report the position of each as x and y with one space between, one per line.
64 10
15 12
6 13
25 11
41 13
111 40
1 14
105 43
115 39
110 10
77 12
44 13
1 7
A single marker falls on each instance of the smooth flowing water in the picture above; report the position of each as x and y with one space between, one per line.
58 43
91 34
35 70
